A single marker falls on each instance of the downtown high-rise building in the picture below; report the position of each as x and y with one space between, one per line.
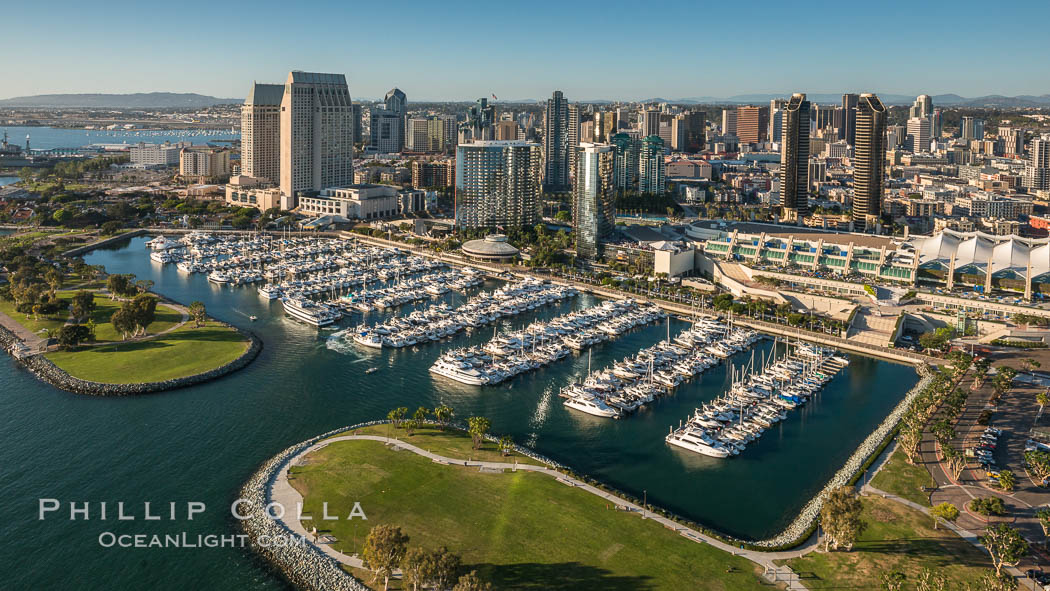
651 175
794 158
650 121
498 184
776 120
560 138
919 134
481 116
317 133
594 197
1013 141
752 123
848 131
728 121
869 160
971 128
261 132
397 103
922 108
1037 171
625 163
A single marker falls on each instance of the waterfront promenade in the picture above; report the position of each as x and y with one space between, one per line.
281 491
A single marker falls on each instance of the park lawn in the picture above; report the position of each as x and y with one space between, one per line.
166 317
896 538
519 530
452 443
905 480
183 352
51 323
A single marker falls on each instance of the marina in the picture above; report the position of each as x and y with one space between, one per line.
306 381
542 343
635 381
756 402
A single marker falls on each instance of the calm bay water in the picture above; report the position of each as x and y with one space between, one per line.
7 180
48 138
201 443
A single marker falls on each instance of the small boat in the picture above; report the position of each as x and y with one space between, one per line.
372 370
253 318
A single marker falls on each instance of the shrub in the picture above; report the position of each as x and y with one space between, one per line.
988 506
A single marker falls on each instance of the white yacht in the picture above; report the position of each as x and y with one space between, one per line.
461 372
592 406
270 292
690 440
309 312
368 339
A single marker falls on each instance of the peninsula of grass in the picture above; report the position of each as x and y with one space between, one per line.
166 317
183 352
897 538
519 530
905 480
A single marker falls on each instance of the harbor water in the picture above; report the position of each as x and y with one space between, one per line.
50 138
202 443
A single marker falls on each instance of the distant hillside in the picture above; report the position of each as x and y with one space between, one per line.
138 100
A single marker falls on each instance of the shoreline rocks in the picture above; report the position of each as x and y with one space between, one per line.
48 372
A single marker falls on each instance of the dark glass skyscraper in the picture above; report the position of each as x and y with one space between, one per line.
869 160
557 143
594 192
794 158
848 131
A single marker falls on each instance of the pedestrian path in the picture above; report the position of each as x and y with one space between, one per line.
281 491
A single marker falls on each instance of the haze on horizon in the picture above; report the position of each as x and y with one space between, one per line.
619 50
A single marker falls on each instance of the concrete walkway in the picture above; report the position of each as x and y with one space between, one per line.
281 491
34 343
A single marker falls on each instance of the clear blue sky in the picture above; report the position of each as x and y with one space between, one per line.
591 50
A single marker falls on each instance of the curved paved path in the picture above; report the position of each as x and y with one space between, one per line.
281 491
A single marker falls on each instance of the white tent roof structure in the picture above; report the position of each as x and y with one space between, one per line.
1006 254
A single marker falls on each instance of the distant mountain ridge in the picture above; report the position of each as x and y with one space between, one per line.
138 100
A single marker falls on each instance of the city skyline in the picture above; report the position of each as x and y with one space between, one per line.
699 58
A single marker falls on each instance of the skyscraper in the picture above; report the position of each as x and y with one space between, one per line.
972 128
919 134
848 131
651 176
923 107
650 122
317 133
479 123
397 103
384 130
794 158
1037 171
557 143
261 132
752 123
776 120
1013 140
691 132
625 163
869 160
728 121
498 184
594 202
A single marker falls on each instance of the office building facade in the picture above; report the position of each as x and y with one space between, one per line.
594 197
261 132
794 158
560 137
317 133
869 160
651 173
498 184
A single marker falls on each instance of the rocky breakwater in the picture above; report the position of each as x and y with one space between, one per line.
43 368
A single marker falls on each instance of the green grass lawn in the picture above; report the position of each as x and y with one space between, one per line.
905 480
518 530
445 443
52 323
896 538
166 318
182 352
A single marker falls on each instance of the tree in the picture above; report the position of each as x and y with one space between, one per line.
397 415
198 313
144 285
929 580
1005 545
384 549
991 582
82 304
944 512
506 445
893 580
444 568
478 427
471 582
840 517
1042 399
144 310
563 216
1030 364
118 285
72 335
444 415
123 321
1043 515
417 568
1007 480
